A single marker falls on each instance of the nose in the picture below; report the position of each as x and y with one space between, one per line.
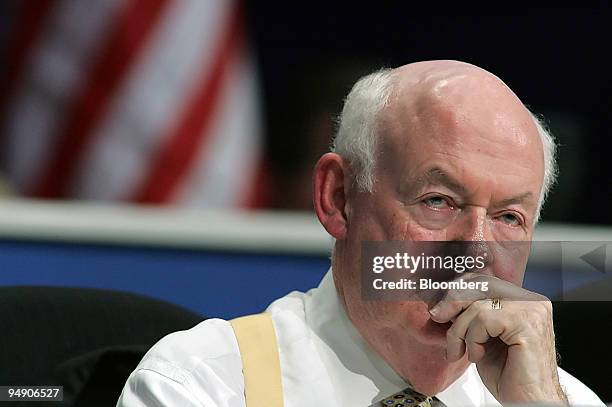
473 229
471 225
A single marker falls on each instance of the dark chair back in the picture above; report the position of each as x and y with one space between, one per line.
87 340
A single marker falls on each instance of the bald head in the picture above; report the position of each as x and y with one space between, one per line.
448 100
455 91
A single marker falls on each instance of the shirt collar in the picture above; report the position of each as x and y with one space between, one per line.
355 370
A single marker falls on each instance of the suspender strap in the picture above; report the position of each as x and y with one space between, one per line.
260 361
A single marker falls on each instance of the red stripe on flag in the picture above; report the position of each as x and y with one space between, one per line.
27 29
117 54
177 155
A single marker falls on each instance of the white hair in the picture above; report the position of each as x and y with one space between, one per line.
358 125
550 161
356 139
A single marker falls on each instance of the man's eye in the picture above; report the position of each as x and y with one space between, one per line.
436 202
510 219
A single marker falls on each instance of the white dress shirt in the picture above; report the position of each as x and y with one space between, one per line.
324 362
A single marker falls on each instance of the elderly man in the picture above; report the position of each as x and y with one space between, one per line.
431 151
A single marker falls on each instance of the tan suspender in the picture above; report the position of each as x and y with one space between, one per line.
260 362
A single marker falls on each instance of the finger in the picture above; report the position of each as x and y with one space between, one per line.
476 351
456 301
446 310
475 338
456 334
455 347
477 325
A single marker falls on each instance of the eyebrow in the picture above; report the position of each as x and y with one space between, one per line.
437 176
519 199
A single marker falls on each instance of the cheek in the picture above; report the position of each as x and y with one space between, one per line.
403 224
398 315
510 263
386 219
511 274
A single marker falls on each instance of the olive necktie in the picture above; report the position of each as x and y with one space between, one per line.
409 398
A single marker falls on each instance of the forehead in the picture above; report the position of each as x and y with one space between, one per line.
470 120
461 99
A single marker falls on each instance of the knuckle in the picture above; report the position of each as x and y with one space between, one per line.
548 305
544 308
525 315
522 341
482 318
482 305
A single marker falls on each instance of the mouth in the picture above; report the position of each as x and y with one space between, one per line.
438 329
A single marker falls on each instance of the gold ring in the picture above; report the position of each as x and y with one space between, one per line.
496 303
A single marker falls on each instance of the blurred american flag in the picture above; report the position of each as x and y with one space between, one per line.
147 101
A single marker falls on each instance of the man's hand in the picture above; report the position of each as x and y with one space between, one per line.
513 347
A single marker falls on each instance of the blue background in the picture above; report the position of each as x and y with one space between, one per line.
211 283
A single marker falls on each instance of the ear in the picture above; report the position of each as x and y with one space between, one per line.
329 194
